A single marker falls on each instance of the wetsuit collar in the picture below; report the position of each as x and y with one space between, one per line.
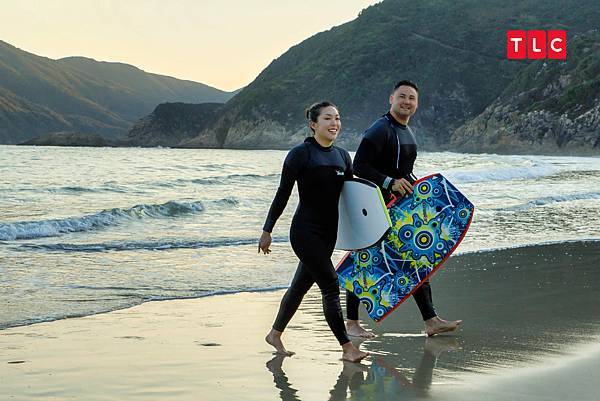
311 139
390 117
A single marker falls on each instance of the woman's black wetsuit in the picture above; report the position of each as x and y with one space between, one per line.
320 173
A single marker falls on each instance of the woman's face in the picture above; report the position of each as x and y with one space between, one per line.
328 124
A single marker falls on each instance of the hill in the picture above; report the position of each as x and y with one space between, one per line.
40 95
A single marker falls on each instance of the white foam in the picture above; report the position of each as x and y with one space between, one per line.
548 200
105 218
501 174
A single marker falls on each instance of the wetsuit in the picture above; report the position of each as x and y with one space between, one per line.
320 173
386 152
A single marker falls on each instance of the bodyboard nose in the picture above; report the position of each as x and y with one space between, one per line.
363 216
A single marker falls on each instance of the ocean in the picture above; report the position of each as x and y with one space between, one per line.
90 230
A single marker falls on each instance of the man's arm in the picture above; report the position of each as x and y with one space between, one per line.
369 151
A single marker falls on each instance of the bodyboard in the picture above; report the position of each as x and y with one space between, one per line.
426 229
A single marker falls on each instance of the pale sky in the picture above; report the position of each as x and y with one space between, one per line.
222 43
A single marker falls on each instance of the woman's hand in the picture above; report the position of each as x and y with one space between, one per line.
264 243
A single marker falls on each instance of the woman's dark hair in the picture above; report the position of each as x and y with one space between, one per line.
314 111
405 83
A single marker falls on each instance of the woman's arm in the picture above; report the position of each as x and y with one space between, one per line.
289 174
286 184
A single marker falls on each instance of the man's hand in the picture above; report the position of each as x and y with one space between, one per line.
402 186
264 243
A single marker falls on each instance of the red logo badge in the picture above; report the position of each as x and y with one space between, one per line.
535 45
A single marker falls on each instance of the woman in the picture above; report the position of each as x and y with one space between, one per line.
320 170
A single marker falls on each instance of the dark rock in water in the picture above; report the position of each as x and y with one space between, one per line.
70 139
171 124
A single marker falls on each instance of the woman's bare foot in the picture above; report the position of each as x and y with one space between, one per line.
353 328
435 325
274 339
352 354
350 369
274 365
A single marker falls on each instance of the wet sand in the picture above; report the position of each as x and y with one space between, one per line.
531 331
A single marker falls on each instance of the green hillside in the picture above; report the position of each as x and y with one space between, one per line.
40 95
455 51
550 106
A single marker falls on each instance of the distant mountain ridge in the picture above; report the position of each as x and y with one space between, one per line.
39 95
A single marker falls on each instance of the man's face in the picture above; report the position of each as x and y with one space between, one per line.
404 102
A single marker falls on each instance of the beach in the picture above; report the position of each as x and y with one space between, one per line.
530 332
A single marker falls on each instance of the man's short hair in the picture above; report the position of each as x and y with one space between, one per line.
405 83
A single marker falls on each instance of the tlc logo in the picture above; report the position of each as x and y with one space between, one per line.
536 45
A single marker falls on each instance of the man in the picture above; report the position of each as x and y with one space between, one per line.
386 156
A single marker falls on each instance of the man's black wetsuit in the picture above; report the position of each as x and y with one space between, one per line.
320 173
386 152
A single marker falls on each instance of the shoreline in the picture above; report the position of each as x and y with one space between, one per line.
583 152
260 290
517 340
456 254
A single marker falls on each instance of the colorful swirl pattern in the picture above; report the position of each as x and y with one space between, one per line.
426 228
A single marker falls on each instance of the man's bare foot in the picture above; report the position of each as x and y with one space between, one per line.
274 339
435 325
352 354
353 328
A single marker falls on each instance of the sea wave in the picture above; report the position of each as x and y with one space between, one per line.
501 174
575 175
105 218
213 180
147 245
231 177
77 189
549 200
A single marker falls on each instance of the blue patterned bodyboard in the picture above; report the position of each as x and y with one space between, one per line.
426 228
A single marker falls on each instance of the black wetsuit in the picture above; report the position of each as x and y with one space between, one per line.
386 152
320 173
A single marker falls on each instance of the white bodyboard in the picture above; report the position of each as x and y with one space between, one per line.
363 216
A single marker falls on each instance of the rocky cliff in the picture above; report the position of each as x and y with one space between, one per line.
550 107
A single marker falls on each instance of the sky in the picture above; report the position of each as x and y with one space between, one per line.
221 43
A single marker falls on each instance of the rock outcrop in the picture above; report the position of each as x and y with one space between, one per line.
550 107
172 124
